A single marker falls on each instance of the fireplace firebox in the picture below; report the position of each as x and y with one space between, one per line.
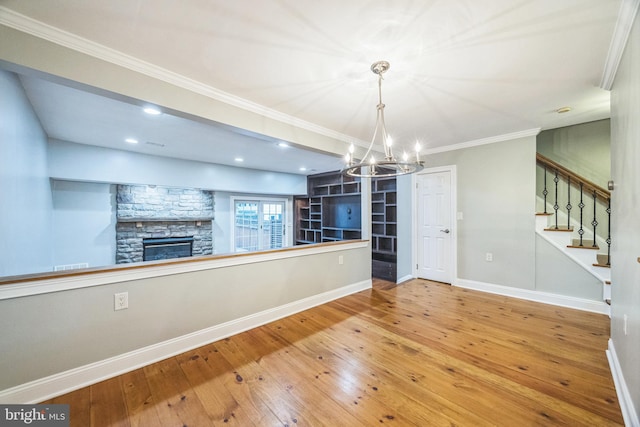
167 248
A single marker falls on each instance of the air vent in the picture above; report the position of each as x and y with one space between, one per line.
155 144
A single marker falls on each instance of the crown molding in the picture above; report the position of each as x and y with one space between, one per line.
72 41
624 23
485 141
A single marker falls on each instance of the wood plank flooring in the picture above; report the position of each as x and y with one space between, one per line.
420 353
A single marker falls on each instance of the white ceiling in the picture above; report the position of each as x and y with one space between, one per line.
461 70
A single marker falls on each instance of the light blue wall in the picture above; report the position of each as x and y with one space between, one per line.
84 223
73 221
25 194
79 162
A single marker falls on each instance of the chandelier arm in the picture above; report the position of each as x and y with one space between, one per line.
370 149
388 154
389 166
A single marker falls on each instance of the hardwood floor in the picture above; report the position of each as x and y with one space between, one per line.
421 353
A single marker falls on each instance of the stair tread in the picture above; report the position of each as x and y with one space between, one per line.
563 228
602 265
583 246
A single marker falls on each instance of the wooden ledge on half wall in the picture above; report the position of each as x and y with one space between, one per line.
6 280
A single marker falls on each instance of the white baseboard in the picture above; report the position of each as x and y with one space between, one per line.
64 382
404 278
537 296
624 398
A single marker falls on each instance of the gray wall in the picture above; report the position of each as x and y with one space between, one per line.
625 161
25 194
558 274
583 148
50 333
404 213
496 194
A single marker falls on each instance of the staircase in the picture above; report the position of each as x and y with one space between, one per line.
574 216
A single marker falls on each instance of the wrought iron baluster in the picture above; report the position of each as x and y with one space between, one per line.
609 231
569 203
595 221
545 192
581 206
555 205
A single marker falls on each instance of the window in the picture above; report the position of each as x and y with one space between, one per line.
258 224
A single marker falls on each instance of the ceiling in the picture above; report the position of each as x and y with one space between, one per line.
461 70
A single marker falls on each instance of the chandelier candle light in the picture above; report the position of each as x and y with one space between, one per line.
369 167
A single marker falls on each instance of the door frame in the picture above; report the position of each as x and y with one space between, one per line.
454 222
287 220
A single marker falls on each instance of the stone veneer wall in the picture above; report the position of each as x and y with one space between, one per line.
153 211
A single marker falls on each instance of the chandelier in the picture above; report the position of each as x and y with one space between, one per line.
369 166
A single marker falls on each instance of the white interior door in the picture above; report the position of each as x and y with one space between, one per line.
434 231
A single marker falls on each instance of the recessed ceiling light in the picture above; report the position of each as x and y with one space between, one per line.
283 144
563 110
303 169
239 159
153 111
131 140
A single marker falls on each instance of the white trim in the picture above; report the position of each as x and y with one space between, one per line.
629 413
453 171
536 296
485 141
55 35
287 213
404 279
73 379
35 287
621 31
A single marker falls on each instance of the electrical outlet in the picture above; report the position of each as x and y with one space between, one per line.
121 301
340 259
625 324
489 257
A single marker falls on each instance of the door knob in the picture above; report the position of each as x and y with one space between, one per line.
445 231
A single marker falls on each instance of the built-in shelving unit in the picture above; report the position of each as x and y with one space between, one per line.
384 245
330 211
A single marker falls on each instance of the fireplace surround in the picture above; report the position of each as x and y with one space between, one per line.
161 214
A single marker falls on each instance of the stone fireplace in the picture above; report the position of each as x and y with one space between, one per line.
168 222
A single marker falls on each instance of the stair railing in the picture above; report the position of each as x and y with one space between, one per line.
563 177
